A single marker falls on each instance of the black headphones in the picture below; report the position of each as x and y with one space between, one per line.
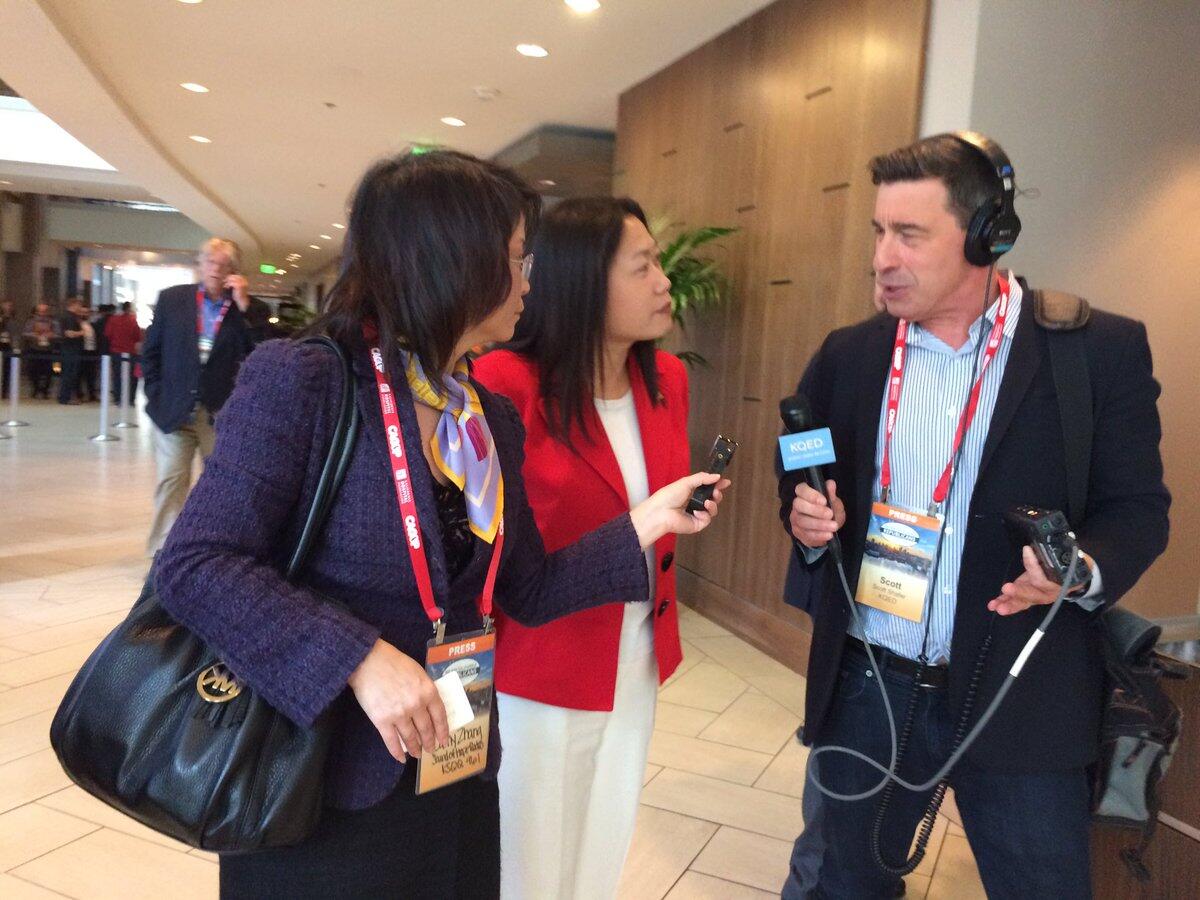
994 226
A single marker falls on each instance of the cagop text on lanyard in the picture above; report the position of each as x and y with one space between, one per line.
410 518
896 380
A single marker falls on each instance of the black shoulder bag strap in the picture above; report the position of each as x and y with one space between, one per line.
1063 317
341 449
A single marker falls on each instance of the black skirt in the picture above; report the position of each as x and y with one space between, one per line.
445 844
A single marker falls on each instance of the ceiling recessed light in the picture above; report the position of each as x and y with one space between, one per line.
5 182
200 139
191 2
194 88
534 50
546 182
326 237
338 225
453 121
314 246
583 6
281 271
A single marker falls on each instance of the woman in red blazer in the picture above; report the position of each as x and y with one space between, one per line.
605 415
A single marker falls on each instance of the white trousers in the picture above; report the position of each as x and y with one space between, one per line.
570 780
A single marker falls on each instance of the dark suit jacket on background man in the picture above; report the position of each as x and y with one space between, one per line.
173 377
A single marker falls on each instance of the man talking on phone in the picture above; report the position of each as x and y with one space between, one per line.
190 358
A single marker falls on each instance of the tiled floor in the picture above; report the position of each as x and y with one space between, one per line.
722 798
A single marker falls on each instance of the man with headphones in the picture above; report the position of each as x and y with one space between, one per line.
946 412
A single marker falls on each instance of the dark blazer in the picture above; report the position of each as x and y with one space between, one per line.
219 572
1051 717
173 377
572 662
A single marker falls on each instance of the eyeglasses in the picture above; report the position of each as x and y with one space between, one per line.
526 263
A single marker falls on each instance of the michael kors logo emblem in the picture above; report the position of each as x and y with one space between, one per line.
216 684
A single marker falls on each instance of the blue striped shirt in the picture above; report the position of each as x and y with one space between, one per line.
937 380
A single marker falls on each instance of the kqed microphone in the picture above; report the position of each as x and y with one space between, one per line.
807 447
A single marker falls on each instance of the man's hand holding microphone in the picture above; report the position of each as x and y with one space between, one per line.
816 515
813 520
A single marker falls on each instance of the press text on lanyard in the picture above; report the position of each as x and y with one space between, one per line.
896 379
411 519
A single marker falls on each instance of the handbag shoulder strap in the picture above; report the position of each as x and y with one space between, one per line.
1063 317
341 449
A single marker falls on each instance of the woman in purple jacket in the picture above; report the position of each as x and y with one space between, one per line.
434 264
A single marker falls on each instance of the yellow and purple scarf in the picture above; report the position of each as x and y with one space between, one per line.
462 445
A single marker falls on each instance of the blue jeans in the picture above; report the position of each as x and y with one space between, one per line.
68 379
809 849
1028 830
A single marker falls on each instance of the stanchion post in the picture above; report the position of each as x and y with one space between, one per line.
105 399
126 367
14 391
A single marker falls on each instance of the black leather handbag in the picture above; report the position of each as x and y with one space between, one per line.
155 726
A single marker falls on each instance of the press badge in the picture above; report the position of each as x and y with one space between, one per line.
897 557
463 668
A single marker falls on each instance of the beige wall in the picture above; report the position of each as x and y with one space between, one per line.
769 127
1098 104
85 223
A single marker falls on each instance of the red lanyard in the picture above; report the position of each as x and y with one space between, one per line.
896 379
200 314
408 511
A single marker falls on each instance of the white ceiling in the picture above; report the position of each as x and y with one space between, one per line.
33 178
39 157
282 163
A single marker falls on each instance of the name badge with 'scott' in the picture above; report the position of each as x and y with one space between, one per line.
471 658
897 557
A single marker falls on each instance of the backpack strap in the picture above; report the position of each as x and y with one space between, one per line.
1060 311
1063 317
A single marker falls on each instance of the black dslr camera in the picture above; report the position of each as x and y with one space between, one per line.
1047 532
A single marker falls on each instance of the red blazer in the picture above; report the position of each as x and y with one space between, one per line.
572 662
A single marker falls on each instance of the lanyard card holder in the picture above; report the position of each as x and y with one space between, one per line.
901 544
463 668
897 557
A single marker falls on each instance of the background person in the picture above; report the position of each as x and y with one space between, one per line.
9 336
71 327
190 358
124 336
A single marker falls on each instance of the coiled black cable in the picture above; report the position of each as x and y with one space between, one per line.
929 817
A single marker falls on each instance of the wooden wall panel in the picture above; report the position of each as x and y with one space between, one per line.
769 127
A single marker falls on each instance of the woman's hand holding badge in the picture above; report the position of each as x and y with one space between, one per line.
401 701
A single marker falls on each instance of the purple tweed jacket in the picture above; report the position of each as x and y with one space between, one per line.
219 573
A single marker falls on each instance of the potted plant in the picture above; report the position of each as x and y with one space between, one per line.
697 283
